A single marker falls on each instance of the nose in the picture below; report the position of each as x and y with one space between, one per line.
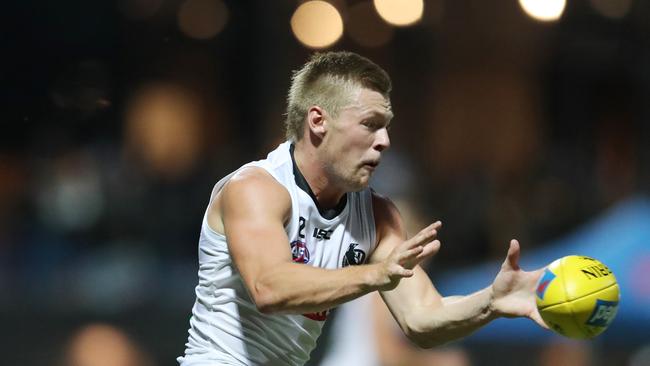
382 141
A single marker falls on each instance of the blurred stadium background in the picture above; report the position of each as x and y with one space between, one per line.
526 119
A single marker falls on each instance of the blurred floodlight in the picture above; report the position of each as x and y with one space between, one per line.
615 9
103 345
366 28
317 24
400 12
164 128
202 19
543 10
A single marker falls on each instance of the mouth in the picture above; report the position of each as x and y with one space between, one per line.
371 164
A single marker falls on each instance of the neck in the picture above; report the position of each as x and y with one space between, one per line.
327 192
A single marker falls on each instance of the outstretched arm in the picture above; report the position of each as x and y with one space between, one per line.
252 210
429 319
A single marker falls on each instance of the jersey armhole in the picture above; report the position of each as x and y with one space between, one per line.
222 182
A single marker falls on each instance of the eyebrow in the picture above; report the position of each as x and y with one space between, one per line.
374 113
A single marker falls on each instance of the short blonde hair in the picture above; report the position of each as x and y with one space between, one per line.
328 80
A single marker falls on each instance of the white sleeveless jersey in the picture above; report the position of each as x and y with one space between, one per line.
226 328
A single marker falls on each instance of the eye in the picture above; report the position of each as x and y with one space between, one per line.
372 124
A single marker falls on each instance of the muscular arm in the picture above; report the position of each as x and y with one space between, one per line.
424 315
253 209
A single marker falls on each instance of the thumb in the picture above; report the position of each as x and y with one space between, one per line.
537 318
512 259
537 274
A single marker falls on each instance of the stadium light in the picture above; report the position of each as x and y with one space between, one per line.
543 10
317 24
400 12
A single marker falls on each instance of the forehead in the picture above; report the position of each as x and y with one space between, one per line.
368 101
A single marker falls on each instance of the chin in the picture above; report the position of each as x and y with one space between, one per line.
360 184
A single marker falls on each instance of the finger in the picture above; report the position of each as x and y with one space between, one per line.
407 273
429 250
538 319
409 254
425 235
538 274
512 259
403 272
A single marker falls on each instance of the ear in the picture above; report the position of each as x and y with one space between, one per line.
316 121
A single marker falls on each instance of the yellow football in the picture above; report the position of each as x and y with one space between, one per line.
577 296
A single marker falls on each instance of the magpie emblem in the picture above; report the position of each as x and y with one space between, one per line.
353 256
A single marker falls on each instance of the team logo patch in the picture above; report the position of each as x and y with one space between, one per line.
299 252
353 256
546 279
603 313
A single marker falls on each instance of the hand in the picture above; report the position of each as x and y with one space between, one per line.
404 257
513 290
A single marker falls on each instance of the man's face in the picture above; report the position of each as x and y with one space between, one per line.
355 139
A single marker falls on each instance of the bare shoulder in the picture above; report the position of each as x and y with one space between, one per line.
388 225
252 180
252 193
387 215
